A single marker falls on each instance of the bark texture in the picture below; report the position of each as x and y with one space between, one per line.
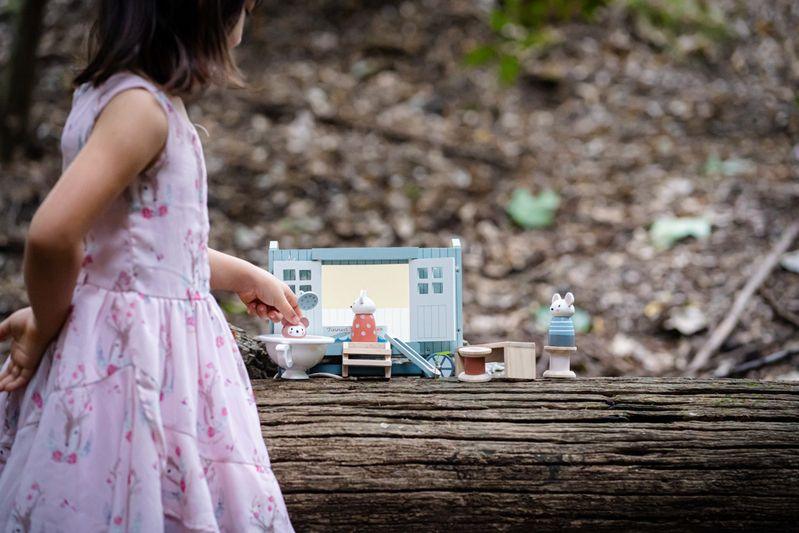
604 454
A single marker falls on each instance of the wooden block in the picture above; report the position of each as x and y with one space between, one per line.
520 361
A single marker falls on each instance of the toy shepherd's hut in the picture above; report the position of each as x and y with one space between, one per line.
417 292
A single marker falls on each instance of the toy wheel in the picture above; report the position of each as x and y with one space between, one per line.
443 363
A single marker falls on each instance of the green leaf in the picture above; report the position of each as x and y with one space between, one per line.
480 56
582 321
498 20
665 232
541 318
581 318
533 212
233 307
728 167
508 69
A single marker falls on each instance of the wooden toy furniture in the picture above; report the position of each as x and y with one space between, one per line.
519 358
374 354
473 360
559 357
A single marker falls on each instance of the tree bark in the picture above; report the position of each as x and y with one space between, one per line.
253 352
20 77
608 453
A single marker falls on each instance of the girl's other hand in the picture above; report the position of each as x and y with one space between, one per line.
270 298
27 348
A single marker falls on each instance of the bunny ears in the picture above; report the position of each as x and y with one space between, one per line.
569 299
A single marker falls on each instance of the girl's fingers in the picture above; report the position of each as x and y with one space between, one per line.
262 310
286 309
5 329
5 378
17 383
291 298
295 305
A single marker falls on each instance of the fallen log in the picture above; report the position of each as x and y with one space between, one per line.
609 453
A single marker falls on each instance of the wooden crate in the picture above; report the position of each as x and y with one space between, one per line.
375 354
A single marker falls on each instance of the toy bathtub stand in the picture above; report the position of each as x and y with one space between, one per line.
559 361
373 354
518 358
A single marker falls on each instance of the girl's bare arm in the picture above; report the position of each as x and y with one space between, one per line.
263 294
128 136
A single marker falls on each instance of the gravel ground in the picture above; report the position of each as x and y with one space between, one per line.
362 126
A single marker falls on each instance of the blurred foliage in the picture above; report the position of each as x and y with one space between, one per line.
233 306
667 231
524 29
532 212
581 319
727 167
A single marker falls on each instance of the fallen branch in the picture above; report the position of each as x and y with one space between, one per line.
726 327
760 362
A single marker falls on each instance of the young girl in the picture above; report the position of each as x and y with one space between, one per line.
124 404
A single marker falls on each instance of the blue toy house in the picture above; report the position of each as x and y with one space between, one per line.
417 292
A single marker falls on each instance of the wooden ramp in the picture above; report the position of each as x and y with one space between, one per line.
601 454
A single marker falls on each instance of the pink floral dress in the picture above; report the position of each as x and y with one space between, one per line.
141 416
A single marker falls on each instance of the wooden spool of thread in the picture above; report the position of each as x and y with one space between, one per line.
474 363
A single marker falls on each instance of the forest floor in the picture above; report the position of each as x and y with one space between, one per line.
361 126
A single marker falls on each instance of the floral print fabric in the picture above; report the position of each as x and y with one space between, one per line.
141 416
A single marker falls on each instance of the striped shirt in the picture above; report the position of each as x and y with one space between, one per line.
561 331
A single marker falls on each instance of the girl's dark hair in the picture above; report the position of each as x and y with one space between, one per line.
182 45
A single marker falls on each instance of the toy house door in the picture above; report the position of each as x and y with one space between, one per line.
432 299
304 276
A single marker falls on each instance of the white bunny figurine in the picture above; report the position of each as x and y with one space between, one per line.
363 325
561 326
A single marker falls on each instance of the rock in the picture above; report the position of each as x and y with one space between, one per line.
790 261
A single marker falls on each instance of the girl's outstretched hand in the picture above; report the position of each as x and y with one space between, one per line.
268 297
27 348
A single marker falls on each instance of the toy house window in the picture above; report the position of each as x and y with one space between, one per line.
293 288
422 275
305 275
305 288
288 275
438 274
438 288
423 288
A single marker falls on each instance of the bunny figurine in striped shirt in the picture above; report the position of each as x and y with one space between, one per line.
561 326
560 340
